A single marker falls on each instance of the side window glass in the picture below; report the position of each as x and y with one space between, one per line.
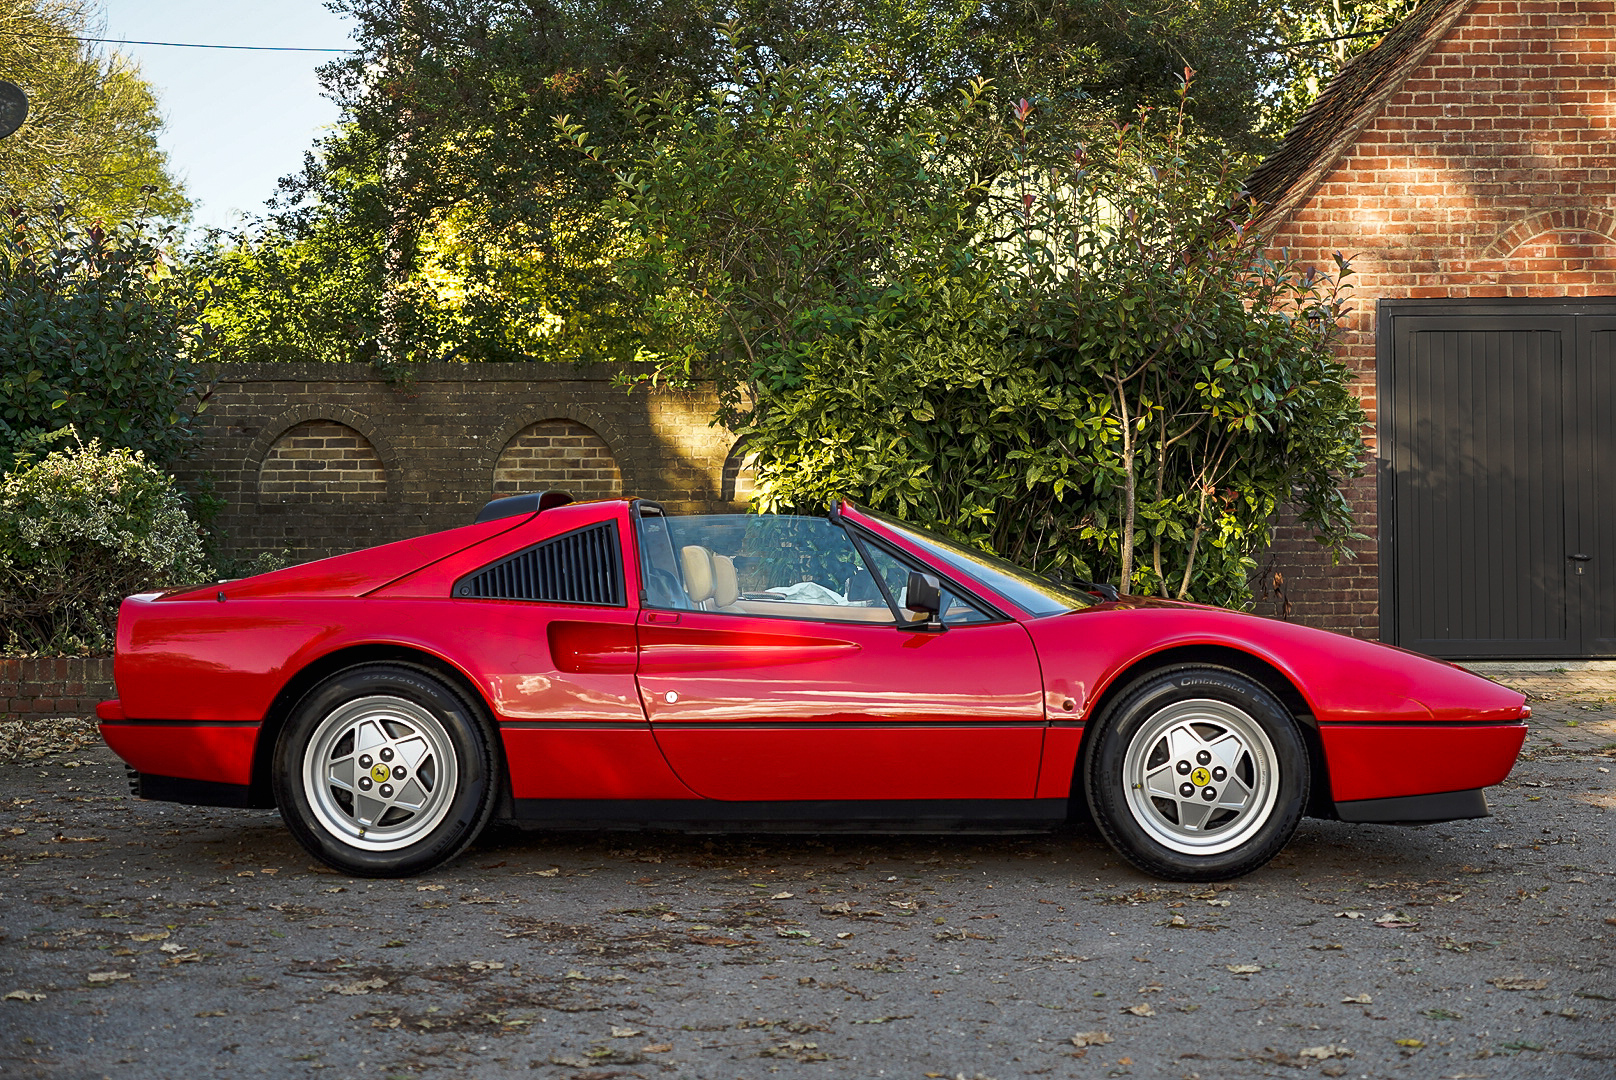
773 564
584 566
957 611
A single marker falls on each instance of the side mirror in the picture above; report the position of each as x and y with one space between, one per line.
924 594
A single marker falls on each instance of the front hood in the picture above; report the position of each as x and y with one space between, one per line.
1344 679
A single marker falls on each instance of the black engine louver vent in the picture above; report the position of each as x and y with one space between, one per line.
582 567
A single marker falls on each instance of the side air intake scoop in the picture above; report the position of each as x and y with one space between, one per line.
528 503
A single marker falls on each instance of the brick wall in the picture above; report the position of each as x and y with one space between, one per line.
1491 172
53 686
318 459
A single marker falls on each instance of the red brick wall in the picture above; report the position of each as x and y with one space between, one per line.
54 686
1491 173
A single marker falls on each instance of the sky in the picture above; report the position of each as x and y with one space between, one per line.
236 122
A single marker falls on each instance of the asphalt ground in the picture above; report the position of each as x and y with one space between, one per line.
143 939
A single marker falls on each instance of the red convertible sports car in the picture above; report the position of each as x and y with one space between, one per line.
612 664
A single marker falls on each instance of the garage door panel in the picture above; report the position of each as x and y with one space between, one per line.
1595 470
1479 407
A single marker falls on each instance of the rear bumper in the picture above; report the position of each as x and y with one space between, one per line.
185 749
1416 809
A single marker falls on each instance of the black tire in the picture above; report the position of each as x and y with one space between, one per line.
421 806
1239 744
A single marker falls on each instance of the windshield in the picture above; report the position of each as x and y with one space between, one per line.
1031 592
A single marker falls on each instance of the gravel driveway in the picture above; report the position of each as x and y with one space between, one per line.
148 940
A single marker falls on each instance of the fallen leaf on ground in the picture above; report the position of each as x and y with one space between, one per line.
782 896
712 939
1242 969
1323 1053
106 976
1358 999
1349 914
359 986
429 888
487 965
657 1048
1410 1044
1091 1038
1515 982
1141 1009
153 935
24 995
1391 921
214 1012
625 1033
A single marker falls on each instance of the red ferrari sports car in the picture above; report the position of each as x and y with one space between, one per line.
612 664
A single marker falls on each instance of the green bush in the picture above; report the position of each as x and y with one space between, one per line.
95 329
80 529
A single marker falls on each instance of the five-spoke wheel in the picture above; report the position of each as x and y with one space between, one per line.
1197 774
383 770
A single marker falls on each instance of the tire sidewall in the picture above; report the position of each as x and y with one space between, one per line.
474 762
1106 786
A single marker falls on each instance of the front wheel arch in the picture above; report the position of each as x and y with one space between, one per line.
1152 812
1321 803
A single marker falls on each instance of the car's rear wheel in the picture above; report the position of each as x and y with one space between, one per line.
384 770
1197 774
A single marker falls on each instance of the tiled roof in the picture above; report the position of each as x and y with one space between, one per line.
1349 104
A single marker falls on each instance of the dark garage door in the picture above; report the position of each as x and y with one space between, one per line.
1498 483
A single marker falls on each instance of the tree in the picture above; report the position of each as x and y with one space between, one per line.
492 241
1314 39
90 141
1070 356
94 326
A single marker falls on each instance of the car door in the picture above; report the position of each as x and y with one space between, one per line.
776 671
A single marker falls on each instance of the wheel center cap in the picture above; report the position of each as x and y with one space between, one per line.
1200 778
380 772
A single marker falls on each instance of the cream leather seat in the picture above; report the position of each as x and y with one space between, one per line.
726 584
697 563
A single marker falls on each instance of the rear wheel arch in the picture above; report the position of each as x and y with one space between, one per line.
1253 667
317 671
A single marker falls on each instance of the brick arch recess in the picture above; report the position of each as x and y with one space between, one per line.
558 454
275 430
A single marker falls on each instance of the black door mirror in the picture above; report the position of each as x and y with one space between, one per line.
924 594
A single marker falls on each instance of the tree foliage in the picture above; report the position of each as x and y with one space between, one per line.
90 141
94 326
1079 357
443 205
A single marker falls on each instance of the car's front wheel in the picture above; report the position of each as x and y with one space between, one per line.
1197 774
384 770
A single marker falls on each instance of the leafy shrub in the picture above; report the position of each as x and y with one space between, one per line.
80 529
94 328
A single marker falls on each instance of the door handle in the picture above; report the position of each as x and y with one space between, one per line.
1579 558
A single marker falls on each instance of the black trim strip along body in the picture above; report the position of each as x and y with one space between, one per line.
829 815
127 722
